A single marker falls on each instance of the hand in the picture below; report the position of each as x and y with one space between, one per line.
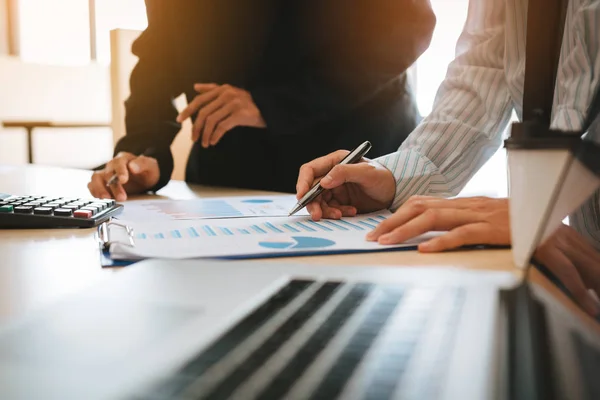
470 220
220 108
575 263
135 175
363 187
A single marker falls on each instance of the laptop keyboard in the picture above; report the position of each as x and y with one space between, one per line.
326 340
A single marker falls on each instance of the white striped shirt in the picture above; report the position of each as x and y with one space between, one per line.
482 86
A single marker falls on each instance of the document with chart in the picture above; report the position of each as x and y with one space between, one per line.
207 208
246 238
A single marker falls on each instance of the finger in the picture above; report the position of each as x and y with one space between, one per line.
118 166
462 236
97 186
205 87
315 211
118 192
315 169
199 101
209 93
560 265
585 258
221 100
362 174
347 211
213 120
330 212
430 220
408 211
223 127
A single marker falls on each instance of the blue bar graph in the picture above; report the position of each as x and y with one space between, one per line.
267 227
368 225
209 230
273 227
305 227
357 227
340 227
313 223
291 228
226 231
258 229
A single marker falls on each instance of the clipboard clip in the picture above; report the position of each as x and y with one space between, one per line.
104 236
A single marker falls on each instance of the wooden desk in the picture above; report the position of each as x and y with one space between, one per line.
39 266
29 126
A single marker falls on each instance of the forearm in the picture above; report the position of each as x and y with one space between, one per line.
471 111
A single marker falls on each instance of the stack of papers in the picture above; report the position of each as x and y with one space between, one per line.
244 228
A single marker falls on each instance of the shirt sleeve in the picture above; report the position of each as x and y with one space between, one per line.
471 110
578 85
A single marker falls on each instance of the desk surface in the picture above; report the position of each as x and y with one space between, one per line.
40 266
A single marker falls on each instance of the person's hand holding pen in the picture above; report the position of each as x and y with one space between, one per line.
125 174
353 188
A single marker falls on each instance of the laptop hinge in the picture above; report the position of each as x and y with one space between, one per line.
529 358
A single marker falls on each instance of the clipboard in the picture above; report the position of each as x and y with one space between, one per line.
126 237
105 240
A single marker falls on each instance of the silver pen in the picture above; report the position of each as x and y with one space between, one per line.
353 157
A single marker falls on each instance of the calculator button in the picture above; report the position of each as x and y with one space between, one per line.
52 205
6 208
70 207
82 214
63 212
109 202
94 210
33 204
42 211
77 203
101 206
23 210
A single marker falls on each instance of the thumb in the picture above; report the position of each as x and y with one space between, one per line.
361 174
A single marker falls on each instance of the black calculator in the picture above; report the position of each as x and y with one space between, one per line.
24 212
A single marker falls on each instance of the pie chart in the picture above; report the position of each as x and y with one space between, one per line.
298 242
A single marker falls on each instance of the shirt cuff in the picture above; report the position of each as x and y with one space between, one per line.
415 175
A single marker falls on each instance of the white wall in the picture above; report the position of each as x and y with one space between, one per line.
56 93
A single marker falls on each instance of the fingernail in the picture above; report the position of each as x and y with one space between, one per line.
134 167
385 239
424 246
592 306
327 180
178 119
371 235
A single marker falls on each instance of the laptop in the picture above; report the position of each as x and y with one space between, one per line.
198 329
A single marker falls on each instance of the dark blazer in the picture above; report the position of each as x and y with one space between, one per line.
325 74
